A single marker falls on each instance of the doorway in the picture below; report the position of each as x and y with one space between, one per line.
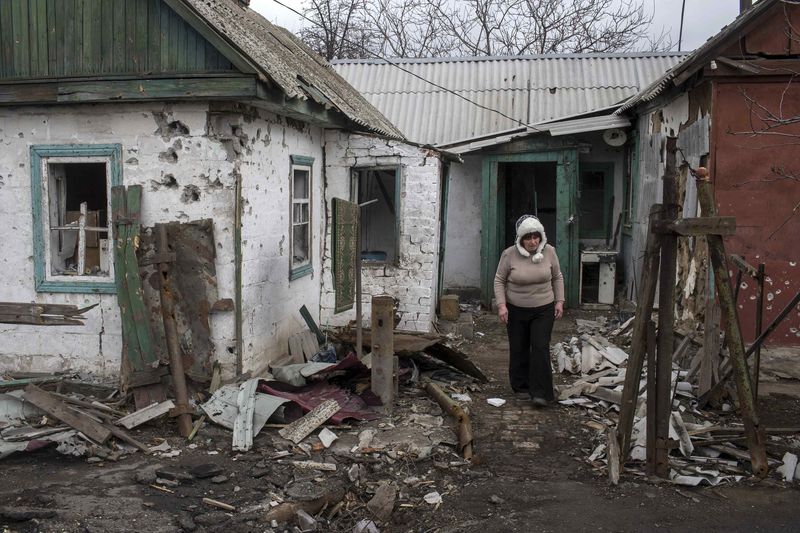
530 190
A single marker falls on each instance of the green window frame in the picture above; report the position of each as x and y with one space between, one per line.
41 158
300 216
589 230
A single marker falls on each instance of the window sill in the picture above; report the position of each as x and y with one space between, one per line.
77 287
299 272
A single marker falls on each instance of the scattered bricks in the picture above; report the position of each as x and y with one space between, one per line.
448 307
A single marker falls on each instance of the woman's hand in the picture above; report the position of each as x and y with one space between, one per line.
559 309
502 312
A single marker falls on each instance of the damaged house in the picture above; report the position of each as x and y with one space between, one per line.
239 139
538 134
733 105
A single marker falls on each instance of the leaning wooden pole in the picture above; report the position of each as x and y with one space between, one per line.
644 309
182 410
666 313
747 405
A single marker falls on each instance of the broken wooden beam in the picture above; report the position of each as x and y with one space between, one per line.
150 412
692 227
747 403
55 407
302 427
644 309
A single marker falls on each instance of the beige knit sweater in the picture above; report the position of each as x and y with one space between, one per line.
521 282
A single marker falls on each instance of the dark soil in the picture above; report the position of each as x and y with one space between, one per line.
530 474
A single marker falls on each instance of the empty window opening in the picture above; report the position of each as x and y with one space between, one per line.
78 219
595 200
301 216
378 219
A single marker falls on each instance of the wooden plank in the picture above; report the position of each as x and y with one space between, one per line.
302 427
58 409
296 348
666 310
6 41
309 344
138 308
118 44
646 297
756 438
141 416
704 226
22 52
142 39
130 36
613 456
711 341
383 350
33 37
38 320
68 23
119 213
650 424
106 59
154 36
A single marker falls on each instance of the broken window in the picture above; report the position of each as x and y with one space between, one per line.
379 223
596 181
300 238
72 225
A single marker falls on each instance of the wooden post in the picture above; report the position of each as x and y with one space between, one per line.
759 326
82 240
650 425
383 349
359 314
711 344
647 293
753 431
666 312
182 409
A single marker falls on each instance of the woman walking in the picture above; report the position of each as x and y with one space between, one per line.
529 290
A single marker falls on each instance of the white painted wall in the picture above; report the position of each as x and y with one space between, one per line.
271 302
412 282
201 163
462 254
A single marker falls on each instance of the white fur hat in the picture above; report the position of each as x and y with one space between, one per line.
530 224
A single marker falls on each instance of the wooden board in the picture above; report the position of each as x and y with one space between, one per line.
302 428
345 248
60 410
150 412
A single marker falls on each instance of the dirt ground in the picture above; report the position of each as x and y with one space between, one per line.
530 474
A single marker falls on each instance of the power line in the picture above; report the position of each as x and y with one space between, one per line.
382 58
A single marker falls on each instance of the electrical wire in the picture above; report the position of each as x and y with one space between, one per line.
414 74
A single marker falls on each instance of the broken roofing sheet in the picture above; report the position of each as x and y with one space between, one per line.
708 443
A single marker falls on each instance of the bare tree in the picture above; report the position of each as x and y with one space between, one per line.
436 28
337 28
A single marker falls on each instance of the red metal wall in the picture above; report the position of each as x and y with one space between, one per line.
747 170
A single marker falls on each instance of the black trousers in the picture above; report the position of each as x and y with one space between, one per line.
529 331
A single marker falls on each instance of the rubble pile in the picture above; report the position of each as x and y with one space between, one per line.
323 450
711 446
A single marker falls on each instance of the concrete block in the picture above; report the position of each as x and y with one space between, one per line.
448 307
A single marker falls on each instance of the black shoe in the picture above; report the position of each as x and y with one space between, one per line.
538 402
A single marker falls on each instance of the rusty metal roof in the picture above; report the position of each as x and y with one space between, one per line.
528 89
285 61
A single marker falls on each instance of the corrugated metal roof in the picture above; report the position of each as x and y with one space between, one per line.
528 89
699 57
288 62
569 126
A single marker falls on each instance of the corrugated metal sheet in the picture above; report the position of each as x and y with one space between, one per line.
529 89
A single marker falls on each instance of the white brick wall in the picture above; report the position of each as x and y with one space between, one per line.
96 346
272 302
412 282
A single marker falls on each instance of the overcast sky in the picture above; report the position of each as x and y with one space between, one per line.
702 19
